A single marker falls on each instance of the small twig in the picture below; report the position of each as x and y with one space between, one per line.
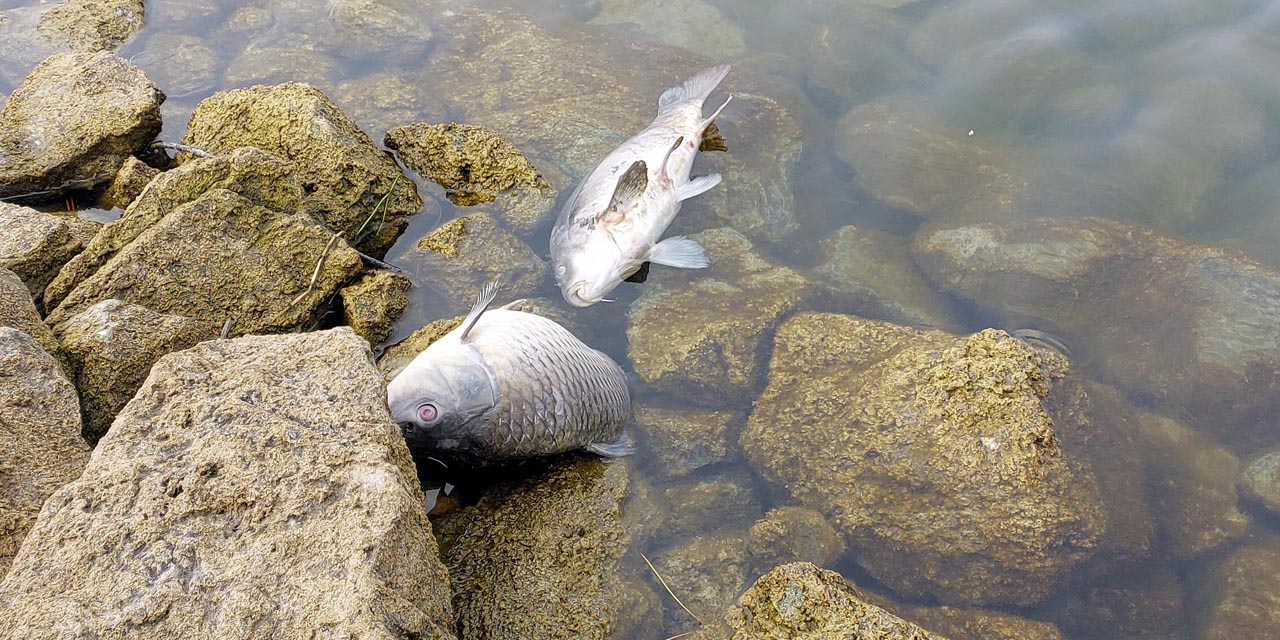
178 146
680 635
226 330
319 265
380 206
669 591
378 263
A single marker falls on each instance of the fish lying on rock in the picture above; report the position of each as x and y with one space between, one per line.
611 224
508 385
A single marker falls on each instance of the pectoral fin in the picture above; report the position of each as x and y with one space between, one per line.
630 187
679 252
697 186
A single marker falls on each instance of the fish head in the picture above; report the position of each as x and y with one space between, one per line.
440 399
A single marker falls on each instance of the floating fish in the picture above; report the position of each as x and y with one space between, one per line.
508 385
612 222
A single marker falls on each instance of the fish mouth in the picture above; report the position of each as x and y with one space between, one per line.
573 295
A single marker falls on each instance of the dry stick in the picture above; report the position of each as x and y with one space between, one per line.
378 263
319 265
669 591
680 635
178 146
226 330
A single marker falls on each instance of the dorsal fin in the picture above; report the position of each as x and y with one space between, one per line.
630 187
662 171
482 303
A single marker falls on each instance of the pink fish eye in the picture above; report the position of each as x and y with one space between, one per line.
427 413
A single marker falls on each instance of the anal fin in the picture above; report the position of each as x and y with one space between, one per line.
699 185
616 449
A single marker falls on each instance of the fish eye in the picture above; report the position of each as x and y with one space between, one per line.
560 270
428 413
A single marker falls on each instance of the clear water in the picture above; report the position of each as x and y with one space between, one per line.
1059 85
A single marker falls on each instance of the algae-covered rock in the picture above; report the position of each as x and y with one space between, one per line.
477 166
346 175
111 347
73 122
18 311
541 557
707 502
403 352
130 180
184 64
1260 481
388 31
92 25
372 305
1145 602
1243 595
39 434
681 441
801 601
463 255
794 534
382 101
978 624
253 488
701 27
707 571
255 175
34 245
222 256
1194 327
268 62
895 434
869 273
697 334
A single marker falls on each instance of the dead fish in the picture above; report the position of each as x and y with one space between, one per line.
613 220
508 385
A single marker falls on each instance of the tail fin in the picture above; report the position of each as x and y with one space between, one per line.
696 88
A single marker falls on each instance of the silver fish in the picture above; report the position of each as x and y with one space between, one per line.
507 385
612 222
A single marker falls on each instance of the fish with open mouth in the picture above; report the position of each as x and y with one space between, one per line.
612 222
507 385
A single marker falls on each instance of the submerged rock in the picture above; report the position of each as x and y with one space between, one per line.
477 166
388 31
541 558
372 305
978 624
463 255
697 334
681 441
794 534
253 488
269 62
1194 327
1260 481
222 256
709 570
1243 595
92 25
346 175
130 180
936 425
111 347
701 27
35 245
1145 602
801 601
40 437
709 502
73 122
18 311
184 64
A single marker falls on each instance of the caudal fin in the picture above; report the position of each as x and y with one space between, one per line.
696 88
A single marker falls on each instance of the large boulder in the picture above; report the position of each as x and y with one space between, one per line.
254 488
35 245
1194 327
39 434
1242 594
251 173
92 25
698 334
110 348
18 311
897 433
222 256
352 186
73 122
542 557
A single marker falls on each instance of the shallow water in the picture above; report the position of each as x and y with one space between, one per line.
1160 113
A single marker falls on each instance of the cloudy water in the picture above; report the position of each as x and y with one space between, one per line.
1100 181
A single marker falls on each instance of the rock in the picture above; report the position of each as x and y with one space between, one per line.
794 534
477 166
111 347
388 31
382 101
21 46
130 180
185 65
1197 328
92 25
952 29
1210 117
252 174
220 257
39 433
680 441
372 305
253 488
700 28
707 570
463 255
403 352
869 273
1146 602
35 245
268 63
800 601
698 335
73 122
19 312
346 175
1260 481
1193 487
979 624
936 424
709 502
541 558
575 94
1245 595
1091 109
1147 179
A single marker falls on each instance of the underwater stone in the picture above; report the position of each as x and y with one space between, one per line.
463 255
1090 109
389 32
1146 601
711 570
707 502
1260 481
185 65
794 534
701 27
1243 595
683 440
92 25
